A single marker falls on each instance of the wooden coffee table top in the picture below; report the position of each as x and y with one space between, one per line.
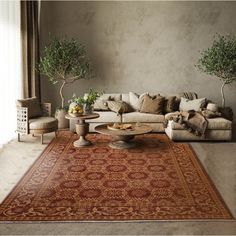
140 129
83 117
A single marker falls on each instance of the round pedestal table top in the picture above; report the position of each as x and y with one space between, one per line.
136 130
83 117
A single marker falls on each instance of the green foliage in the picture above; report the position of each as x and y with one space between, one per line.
88 98
220 59
64 60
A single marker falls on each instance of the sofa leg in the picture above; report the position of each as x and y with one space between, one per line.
18 137
55 134
41 138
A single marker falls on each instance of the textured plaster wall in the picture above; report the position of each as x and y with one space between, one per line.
141 46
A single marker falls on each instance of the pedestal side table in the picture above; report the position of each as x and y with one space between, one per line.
82 128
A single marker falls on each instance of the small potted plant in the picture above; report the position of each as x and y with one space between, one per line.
87 101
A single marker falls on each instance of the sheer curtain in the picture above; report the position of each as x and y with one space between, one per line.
10 67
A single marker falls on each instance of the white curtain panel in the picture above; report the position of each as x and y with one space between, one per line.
10 67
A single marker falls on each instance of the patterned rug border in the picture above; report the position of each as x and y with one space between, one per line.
28 171
211 181
50 146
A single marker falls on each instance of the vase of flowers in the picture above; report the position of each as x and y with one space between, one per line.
87 101
87 109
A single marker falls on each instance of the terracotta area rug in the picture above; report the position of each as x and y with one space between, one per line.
160 180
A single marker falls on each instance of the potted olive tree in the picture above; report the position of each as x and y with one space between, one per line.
219 60
64 61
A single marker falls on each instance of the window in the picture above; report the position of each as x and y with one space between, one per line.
10 67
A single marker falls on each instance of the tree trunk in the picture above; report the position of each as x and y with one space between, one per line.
61 94
222 93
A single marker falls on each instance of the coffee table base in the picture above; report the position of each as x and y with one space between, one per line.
122 144
81 142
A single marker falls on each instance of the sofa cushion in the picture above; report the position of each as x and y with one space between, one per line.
169 104
218 123
32 104
101 104
196 104
43 123
189 95
152 104
142 117
119 106
125 97
113 96
105 117
135 100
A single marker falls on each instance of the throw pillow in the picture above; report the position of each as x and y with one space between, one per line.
189 95
119 106
33 106
136 100
152 104
212 107
196 104
210 114
101 103
169 104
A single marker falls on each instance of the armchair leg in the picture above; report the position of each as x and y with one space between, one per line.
18 137
55 134
41 138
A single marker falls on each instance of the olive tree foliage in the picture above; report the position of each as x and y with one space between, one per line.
220 60
64 61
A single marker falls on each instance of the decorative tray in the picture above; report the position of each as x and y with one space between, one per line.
117 126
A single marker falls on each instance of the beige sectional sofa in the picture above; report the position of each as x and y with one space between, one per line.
218 128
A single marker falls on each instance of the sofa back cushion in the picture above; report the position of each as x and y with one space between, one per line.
101 103
152 104
195 104
125 97
33 105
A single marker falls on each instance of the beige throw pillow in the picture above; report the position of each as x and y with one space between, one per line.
119 106
152 104
212 107
101 104
196 104
136 100
33 106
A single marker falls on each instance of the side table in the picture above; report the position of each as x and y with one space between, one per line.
82 128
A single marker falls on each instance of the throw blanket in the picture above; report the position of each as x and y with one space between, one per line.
193 121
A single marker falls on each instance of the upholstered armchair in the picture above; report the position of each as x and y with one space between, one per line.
34 118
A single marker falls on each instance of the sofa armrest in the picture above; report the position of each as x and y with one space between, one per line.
22 120
46 109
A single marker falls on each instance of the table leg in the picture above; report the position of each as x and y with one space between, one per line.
82 129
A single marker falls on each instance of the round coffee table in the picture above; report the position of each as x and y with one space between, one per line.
82 128
123 138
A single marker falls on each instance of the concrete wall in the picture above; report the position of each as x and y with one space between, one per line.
141 46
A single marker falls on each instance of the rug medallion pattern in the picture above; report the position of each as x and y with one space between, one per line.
159 180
